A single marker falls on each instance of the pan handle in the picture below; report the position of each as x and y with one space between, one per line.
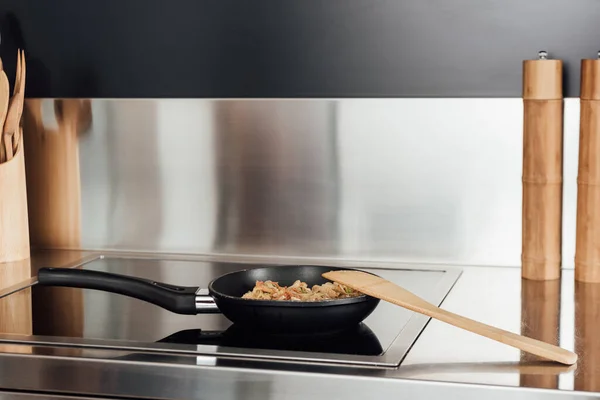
178 299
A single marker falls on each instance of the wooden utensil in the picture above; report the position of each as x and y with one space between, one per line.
20 91
4 100
18 74
385 290
15 109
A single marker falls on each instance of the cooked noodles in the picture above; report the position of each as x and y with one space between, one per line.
299 291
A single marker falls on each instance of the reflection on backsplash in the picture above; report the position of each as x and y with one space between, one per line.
52 171
417 180
277 178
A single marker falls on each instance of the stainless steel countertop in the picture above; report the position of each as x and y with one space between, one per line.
445 361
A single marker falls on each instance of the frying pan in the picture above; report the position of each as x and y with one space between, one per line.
223 295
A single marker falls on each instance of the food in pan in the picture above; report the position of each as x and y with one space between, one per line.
299 291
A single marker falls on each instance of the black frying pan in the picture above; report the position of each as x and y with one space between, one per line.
224 295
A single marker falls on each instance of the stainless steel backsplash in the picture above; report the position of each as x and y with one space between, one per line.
415 180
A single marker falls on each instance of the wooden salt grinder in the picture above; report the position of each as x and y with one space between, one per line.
542 168
587 236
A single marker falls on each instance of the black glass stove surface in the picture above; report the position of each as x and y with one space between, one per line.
383 338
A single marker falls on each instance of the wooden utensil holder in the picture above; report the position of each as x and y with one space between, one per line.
542 169
587 237
14 227
15 310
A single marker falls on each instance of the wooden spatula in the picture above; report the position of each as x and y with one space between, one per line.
4 100
19 92
385 290
19 98
15 109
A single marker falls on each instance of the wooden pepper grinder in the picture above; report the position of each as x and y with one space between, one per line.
542 168
587 239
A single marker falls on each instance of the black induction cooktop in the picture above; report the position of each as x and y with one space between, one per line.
91 317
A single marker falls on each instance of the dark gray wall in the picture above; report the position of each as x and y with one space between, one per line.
293 48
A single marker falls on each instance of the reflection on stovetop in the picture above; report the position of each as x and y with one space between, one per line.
358 341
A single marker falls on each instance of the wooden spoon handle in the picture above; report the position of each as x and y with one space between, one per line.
8 148
385 290
530 345
17 139
2 149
